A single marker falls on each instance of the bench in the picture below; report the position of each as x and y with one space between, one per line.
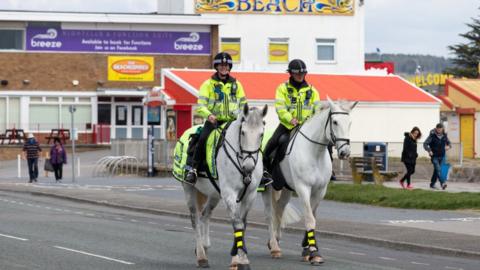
376 173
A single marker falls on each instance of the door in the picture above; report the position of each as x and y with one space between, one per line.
467 134
121 121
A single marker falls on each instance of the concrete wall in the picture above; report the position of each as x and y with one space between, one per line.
302 30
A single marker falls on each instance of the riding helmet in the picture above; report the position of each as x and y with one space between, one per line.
297 66
222 58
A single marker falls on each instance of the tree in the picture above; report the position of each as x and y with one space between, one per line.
467 55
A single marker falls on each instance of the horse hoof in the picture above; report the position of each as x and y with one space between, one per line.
306 258
203 264
317 260
277 254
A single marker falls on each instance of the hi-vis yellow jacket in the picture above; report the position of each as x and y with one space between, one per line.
223 100
296 103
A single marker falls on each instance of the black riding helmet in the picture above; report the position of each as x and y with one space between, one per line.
222 58
297 66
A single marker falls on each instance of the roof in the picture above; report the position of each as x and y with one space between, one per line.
469 87
136 18
367 88
447 104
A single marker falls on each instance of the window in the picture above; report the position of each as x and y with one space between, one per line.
325 50
82 116
278 50
11 39
104 114
14 112
137 115
43 117
3 114
121 115
231 46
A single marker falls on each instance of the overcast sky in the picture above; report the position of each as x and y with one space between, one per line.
394 26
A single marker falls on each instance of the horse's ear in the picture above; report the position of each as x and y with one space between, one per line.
330 102
264 111
353 104
245 109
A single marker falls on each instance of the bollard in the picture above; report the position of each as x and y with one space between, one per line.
19 164
78 167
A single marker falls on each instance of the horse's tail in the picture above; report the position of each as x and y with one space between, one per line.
290 215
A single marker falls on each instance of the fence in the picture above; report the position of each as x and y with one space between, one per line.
163 151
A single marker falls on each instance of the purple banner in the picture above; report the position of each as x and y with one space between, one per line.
109 41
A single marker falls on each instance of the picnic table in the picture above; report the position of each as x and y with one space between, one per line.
62 134
14 136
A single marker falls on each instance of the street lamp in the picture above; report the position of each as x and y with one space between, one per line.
72 110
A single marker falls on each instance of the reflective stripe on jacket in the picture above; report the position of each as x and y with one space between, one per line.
224 100
296 103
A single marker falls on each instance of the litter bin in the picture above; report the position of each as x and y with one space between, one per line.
376 149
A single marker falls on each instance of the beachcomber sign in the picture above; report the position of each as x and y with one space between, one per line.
109 41
304 7
130 68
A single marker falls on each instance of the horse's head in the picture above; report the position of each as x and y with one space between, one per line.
251 131
338 127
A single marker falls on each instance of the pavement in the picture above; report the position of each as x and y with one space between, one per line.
453 233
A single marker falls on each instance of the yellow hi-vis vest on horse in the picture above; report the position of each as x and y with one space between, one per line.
296 103
222 100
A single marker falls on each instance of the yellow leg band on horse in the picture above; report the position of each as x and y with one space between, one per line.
311 234
311 242
239 244
238 234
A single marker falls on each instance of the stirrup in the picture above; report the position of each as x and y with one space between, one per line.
266 179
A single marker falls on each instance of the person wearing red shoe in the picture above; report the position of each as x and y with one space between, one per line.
409 155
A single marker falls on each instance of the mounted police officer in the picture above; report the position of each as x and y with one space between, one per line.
220 99
295 102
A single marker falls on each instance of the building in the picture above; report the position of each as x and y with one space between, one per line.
461 111
104 64
265 34
381 116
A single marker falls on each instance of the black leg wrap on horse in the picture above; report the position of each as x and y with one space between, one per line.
239 243
309 239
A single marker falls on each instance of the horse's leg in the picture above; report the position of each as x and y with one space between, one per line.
211 203
309 244
239 250
268 203
316 198
278 210
191 197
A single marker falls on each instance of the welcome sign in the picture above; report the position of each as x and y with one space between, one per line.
304 7
110 41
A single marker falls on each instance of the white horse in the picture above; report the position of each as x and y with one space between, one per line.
239 167
307 169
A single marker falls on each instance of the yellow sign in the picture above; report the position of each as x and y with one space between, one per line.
304 7
233 48
131 68
278 53
429 79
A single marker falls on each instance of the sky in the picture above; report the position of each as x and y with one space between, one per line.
393 26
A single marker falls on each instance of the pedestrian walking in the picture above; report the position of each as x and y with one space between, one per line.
436 145
58 157
409 155
31 150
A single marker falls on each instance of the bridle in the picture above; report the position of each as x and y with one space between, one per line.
240 157
333 138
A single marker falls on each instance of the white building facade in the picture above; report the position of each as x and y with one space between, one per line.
266 34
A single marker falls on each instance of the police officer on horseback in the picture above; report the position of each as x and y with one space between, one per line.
295 102
220 99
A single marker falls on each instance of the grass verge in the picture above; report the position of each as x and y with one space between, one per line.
398 198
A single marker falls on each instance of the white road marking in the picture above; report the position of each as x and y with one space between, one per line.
357 253
79 213
325 248
58 209
133 220
253 237
13 237
465 219
419 263
387 258
94 255
409 221
454 268
153 223
188 228
90 215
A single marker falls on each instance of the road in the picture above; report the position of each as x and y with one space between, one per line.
39 232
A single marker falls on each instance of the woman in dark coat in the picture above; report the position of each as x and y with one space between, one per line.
409 155
58 157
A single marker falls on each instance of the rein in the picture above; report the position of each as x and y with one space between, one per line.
334 138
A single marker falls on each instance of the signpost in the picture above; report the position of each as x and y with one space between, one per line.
72 110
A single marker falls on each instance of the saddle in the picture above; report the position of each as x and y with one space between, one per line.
185 147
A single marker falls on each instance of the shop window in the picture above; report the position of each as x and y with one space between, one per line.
137 115
68 99
231 46
52 99
11 39
84 100
121 115
325 50
14 112
82 116
104 112
278 50
3 114
36 99
43 117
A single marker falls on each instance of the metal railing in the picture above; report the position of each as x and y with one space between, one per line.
163 151
115 165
